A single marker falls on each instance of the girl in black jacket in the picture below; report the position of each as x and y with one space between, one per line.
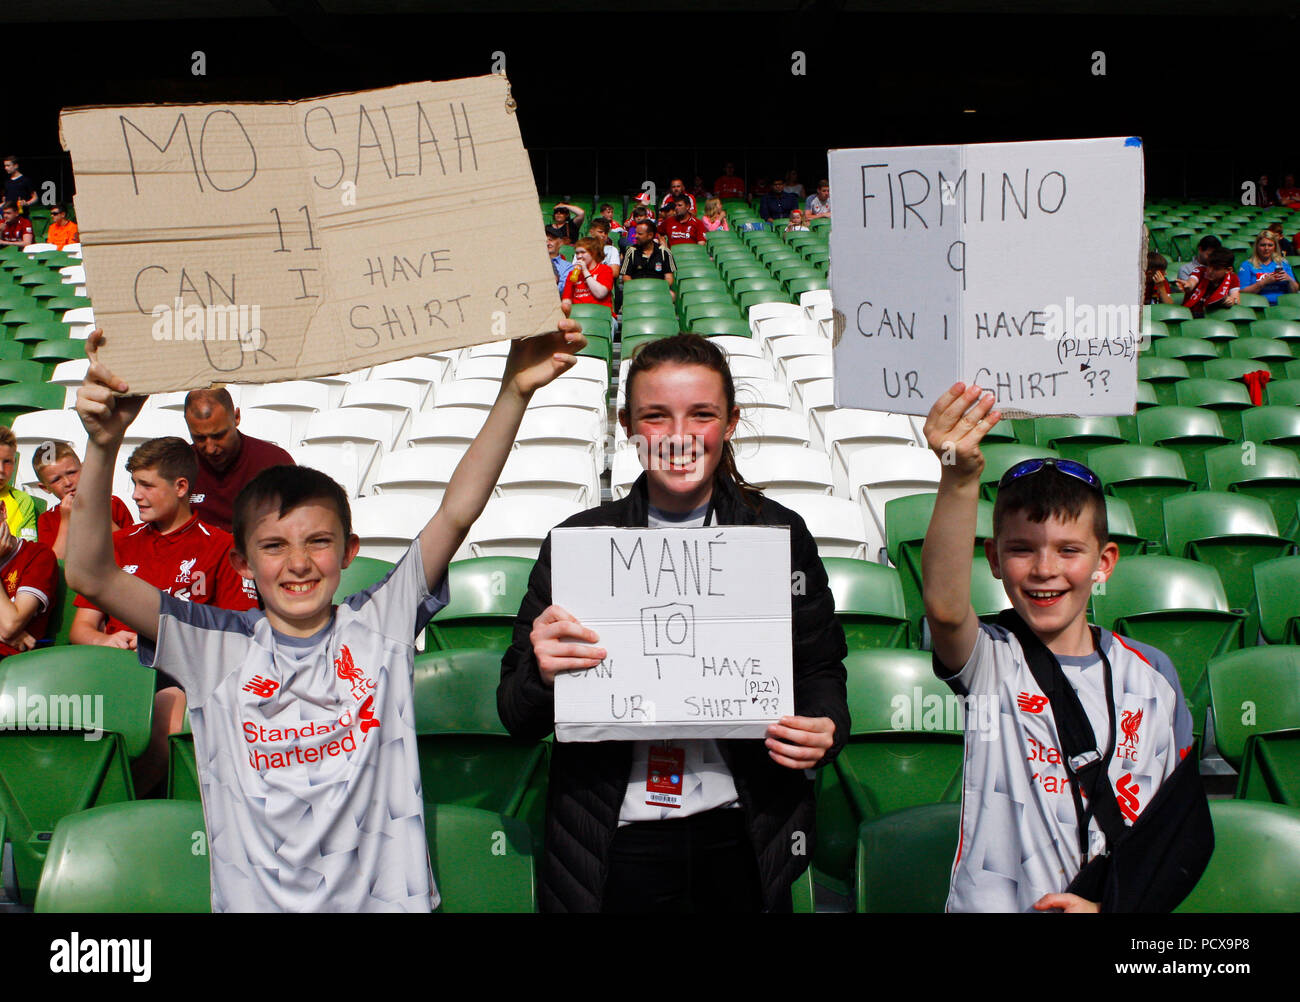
748 830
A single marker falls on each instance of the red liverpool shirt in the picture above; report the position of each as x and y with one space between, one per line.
190 563
47 522
33 569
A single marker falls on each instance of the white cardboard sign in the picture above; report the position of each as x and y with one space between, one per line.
696 624
1018 266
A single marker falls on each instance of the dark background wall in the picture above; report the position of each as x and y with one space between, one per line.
608 100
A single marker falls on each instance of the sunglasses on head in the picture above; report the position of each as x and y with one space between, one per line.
1067 466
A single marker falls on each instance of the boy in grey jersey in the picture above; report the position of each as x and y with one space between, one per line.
1020 844
302 712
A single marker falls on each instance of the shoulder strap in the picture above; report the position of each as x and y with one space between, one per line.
1085 763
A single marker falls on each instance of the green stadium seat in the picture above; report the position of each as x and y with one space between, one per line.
1000 457
147 856
21 398
1280 330
904 860
988 596
869 603
1167 313
1253 301
1162 373
1122 529
906 521
1272 353
641 311
466 755
183 782
1178 606
486 593
1237 315
1256 861
1283 393
1255 698
1258 471
1282 312
1225 397
646 327
646 288
482 861
1229 532
62 611
360 575
1229 368
1278 426
1154 329
21 372
704 311
1209 329
1189 431
48 773
13 350
1277 599
1074 437
905 749
720 326
50 352
1193 352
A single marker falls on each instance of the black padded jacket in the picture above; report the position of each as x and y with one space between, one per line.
588 780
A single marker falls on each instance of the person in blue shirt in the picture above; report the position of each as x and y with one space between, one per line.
1265 272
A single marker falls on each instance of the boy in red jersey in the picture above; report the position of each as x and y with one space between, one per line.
174 551
30 575
59 468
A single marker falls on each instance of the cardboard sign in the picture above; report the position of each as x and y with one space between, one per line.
1018 266
258 242
696 625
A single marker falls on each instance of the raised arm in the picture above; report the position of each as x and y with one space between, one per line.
954 428
533 363
90 566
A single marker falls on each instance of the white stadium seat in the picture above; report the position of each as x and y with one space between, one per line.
339 462
268 425
880 473
847 430
837 525
387 523
446 426
548 471
789 469
516 526
424 470
763 428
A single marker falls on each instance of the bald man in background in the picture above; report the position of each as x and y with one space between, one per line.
227 459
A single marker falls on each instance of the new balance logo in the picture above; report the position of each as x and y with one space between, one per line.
262 687
197 498
1031 704
1126 795
130 568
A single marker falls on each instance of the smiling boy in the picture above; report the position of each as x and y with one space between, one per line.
1022 843
303 711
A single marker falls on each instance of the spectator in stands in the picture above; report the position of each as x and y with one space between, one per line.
778 202
728 185
1289 194
590 281
1157 285
18 186
796 223
1283 244
761 187
17 229
176 552
1215 284
793 185
58 468
227 459
62 231
599 230
566 222
559 265
1204 246
715 216
1266 273
1263 196
818 206
20 507
698 191
647 259
31 579
683 227
640 213
616 230
675 188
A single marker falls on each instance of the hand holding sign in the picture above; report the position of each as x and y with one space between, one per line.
800 742
105 415
552 636
956 425
535 361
